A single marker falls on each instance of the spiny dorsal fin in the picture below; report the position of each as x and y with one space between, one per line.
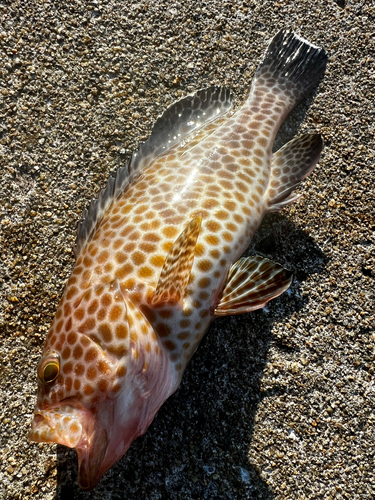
289 166
177 122
252 282
176 269
181 119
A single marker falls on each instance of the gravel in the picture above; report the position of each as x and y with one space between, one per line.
277 404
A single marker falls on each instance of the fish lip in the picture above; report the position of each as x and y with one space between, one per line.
43 417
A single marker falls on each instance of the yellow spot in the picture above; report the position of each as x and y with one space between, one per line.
88 389
106 300
199 250
79 370
74 428
91 373
212 240
138 258
145 272
115 313
215 254
71 292
90 355
204 265
231 227
133 337
157 260
204 282
222 215
102 385
210 203
103 257
124 271
148 247
135 353
167 246
230 205
87 261
170 231
121 371
213 226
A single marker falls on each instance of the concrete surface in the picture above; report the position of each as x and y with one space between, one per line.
278 404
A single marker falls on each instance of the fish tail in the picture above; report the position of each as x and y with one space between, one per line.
291 66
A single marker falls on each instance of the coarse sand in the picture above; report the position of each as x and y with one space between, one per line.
276 404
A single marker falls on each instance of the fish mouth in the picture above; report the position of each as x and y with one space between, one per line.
63 424
73 426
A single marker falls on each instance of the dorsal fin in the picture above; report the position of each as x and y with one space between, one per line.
177 122
175 273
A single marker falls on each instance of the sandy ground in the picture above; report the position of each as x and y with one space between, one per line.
278 404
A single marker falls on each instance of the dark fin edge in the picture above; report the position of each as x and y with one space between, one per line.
293 61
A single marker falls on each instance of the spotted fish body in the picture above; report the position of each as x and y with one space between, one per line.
158 257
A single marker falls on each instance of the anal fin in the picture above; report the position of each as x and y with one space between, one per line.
290 165
252 282
176 269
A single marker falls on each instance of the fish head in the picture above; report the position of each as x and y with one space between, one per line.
101 379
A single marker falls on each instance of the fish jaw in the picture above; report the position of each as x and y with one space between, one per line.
64 424
74 426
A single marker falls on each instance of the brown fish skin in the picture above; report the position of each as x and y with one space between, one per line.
157 258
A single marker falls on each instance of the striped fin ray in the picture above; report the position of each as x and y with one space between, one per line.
176 269
252 282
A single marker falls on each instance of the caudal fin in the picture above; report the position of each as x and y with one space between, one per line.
291 66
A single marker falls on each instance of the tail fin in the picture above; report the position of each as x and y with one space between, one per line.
291 65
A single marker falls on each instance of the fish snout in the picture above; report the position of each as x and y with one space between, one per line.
62 425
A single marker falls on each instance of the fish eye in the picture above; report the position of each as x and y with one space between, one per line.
49 369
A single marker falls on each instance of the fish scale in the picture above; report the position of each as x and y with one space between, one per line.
158 257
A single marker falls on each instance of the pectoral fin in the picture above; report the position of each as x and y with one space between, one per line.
252 282
176 270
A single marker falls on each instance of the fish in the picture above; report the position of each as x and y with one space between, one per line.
158 257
